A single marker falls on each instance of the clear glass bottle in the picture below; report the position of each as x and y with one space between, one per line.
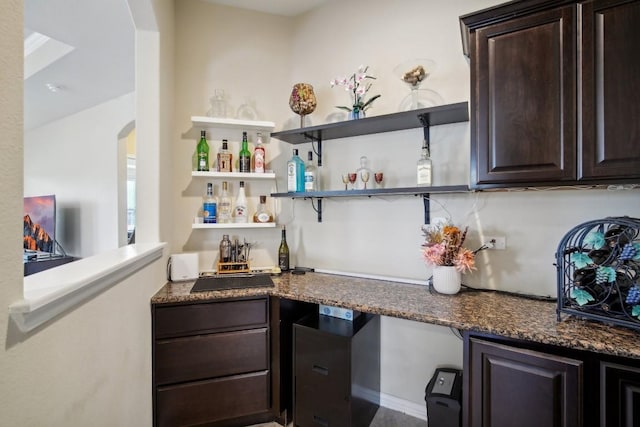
203 152
262 213
258 158
245 155
295 173
363 174
225 158
424 167
283 252
240 210
209 206
310 174
224 205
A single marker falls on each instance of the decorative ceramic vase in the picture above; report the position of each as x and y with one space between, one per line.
446 279
302 100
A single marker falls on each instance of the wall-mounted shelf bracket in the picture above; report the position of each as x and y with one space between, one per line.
317 208
424 119
427 208
318 147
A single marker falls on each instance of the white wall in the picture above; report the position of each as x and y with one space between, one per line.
375 236
91 365
76 158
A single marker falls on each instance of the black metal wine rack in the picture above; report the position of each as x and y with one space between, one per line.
598 266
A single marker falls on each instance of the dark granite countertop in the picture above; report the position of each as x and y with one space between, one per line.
487 312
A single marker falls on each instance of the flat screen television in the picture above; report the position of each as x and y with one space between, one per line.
40 223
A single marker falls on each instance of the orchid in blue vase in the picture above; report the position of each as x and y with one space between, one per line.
358 86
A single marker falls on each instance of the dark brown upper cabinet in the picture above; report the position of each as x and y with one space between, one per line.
555 90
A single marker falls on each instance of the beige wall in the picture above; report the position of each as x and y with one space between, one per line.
379 235
92 364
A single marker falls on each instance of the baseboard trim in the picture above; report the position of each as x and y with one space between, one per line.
405 406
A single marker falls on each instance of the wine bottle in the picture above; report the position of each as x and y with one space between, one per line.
225 158
295 173
224 205
424 167
283 252
258 158
209 206
262 213
245 155
310 174
241 205
203 152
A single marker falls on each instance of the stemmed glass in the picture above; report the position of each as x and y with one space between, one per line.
345 180
365 178
378 176
352 179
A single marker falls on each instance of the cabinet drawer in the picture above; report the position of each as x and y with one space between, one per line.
198 318
214 400
315 408
321 359
213 355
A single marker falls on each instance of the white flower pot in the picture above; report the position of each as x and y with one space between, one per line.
446 279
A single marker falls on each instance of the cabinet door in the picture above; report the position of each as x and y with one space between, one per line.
620 395
506 386
610 83
523 93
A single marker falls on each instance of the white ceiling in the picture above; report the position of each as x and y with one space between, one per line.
100 64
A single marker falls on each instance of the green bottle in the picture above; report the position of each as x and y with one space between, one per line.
203 152
245 155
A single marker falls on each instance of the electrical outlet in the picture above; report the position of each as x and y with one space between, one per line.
499 242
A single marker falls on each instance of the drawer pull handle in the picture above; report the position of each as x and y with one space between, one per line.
321 421
320 370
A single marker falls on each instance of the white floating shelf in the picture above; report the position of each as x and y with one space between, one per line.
234 175
248 125
235 225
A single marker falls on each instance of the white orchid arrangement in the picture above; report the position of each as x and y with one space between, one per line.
358 86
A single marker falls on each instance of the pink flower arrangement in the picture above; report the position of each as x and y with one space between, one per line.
443 246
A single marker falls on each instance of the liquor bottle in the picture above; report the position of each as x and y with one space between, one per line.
424 167
209 206
245 155
310 174
295 173
225 249
262 213
225 158
203 152
224 205
240 210
258 158
283 252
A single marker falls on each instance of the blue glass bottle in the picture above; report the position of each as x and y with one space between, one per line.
295 173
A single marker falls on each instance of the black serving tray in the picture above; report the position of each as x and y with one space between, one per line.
241 281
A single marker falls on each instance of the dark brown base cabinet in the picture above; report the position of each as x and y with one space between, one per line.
336 371
212 363
517 383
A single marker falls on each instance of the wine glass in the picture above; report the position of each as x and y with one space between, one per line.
352 179
378 176
345 180
302 100
365 178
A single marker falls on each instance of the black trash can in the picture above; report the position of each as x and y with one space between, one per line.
444 398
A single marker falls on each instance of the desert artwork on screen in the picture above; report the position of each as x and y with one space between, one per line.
39 223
